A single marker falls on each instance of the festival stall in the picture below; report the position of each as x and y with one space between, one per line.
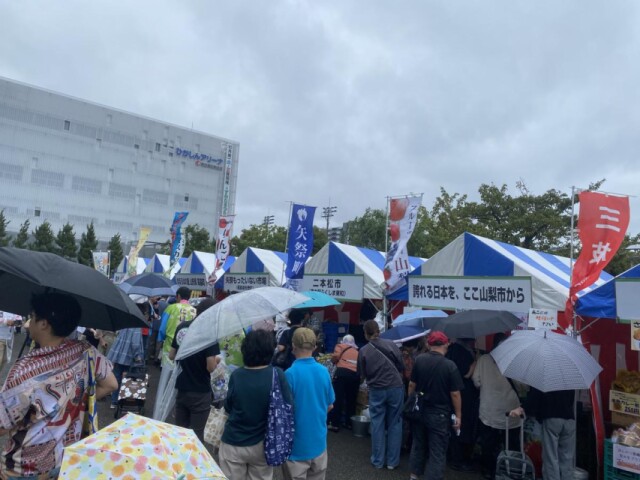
160 263
120 273
197 268
610 342
255 267
474 257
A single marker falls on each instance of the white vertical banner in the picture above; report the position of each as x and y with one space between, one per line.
223 248
403 216
101 262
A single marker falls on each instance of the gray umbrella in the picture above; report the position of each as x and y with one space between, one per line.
475 323
24 273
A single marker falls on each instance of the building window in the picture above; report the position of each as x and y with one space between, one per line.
136 146
36 212
67 125
157 147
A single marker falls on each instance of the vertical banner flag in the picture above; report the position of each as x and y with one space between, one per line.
403 215
223 248
299 245
177 240
101 262
133 253
603 222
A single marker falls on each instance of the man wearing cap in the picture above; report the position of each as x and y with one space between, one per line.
313 398
380 362
439 380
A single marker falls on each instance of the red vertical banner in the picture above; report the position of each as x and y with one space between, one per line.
603 222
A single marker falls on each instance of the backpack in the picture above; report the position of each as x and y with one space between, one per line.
278 439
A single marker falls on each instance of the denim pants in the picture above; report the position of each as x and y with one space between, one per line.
432 433
385 408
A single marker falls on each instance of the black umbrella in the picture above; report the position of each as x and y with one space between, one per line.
475 323
24 273
149 285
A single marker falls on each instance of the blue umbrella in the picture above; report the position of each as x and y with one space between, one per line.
148 284
404 333
419 318
317 299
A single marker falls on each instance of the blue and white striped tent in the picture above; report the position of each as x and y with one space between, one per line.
601 301
258 260
472 255
339 258
159 263
121 271
205 262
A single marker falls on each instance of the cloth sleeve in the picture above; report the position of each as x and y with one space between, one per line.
103 366
478 372
162 333
211 351
137 344
456 379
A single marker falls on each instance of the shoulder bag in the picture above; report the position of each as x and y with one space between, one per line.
335 370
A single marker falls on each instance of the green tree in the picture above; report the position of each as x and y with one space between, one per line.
116 252
196 239
88 243
260 236
320 239
4 237
66 242
43 239
21 239
367 231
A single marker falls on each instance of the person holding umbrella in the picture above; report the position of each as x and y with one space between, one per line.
46 390
555 410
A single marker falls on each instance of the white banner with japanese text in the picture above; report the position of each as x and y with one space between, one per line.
348 288
195 281
403 216
541 318
628 298
223 245
241 282
512 294
101 262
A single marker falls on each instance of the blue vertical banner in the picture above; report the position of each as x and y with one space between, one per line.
177 242
300 243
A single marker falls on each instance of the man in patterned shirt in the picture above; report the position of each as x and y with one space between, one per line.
44 398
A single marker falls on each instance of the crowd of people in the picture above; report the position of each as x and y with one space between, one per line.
462 396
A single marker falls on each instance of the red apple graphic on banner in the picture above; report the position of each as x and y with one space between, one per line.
398 209
387 274
394 231
222 223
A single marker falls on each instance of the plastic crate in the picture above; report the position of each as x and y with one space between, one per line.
612 473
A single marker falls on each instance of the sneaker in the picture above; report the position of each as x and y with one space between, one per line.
114 405
333 428
389 467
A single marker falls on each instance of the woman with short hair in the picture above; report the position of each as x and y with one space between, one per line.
242 446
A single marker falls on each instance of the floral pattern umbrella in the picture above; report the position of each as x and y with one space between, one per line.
139 448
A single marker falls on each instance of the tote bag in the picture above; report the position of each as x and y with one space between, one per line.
278 440
214 427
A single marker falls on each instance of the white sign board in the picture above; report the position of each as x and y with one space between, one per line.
628 298
241 282
512 294
348 288
539 318
195 281
119 277
626 458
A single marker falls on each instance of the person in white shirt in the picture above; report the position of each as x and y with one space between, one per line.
7 322
497 397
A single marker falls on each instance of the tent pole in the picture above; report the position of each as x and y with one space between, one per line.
573 207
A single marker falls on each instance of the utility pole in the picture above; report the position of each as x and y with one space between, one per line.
268 221
328 212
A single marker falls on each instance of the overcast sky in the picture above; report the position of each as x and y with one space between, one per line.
350 102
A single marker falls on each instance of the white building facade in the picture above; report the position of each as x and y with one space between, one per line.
67 160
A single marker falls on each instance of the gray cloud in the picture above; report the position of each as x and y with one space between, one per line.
353 101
